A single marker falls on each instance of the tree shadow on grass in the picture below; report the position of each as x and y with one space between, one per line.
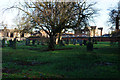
10 71
33 63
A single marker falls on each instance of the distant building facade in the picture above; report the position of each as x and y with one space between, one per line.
12 33
86 32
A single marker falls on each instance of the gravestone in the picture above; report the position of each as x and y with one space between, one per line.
6 42
119 45
42 43
33 42
10 43
93 41
38 42
74 41
27 42
80 42
89 45
3 42
112 43
84 42
61 43
71 41
21 43
67 41
0 43
14 43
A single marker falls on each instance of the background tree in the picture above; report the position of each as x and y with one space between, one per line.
23 26
54 17
4 28
115 17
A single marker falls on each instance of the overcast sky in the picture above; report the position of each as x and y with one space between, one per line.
100 21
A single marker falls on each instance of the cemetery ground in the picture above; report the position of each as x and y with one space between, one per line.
70 61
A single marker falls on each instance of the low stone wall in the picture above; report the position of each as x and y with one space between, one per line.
103 39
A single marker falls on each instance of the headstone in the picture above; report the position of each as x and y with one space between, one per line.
74 41
93 41
33 42
80 42
6 42
42 43
38 42
14 43
27 42
21 43
89 45
61 43
119 45
112 43
71 41
10 43
0 43
3 42
84 42
67 41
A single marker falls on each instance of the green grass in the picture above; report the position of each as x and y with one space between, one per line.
72 63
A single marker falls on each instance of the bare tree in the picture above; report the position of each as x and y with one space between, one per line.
54 17
115 17
5 28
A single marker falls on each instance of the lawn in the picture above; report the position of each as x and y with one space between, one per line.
74 62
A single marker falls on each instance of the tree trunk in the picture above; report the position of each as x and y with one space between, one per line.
51 43
59 38
117 23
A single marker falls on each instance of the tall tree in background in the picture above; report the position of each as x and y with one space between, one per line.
115 17
54 17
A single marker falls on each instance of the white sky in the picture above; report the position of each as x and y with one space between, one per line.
100 21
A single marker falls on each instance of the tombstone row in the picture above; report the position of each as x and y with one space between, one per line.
78 41
34 42
12 43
